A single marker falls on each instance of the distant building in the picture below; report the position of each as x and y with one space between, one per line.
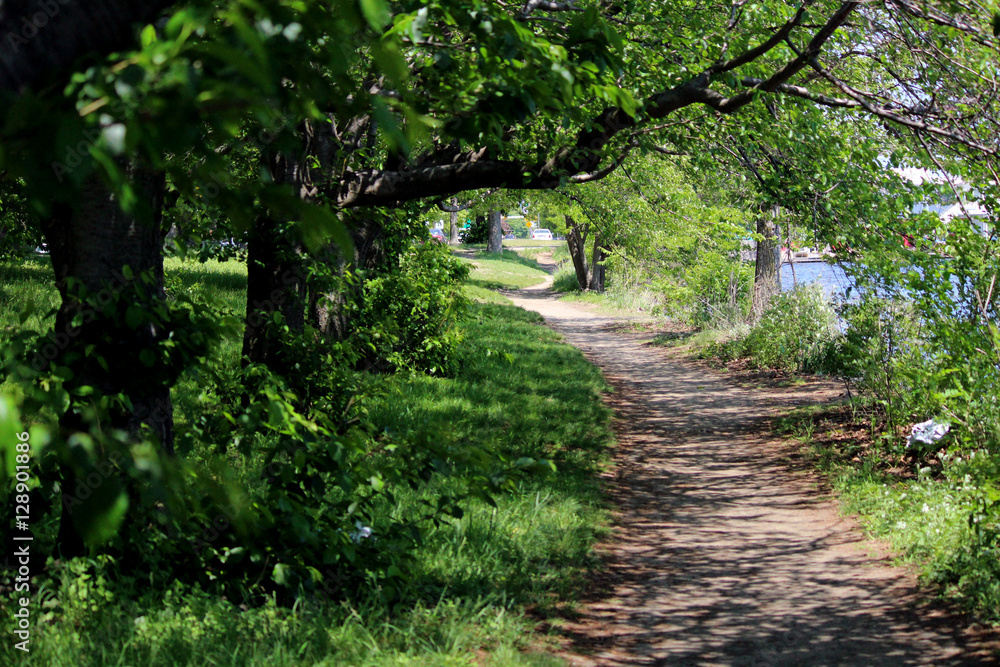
969 209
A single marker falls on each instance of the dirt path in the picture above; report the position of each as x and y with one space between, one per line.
722 554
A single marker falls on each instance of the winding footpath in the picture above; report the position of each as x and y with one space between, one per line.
722 554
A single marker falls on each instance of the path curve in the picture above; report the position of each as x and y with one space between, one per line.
720 554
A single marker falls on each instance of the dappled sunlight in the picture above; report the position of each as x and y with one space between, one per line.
720 554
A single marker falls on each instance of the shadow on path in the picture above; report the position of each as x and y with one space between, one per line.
720 554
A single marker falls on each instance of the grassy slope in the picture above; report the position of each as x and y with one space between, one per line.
508 270
520 392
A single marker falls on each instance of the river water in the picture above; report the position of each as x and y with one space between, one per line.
830 276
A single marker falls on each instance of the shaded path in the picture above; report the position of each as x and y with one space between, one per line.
720 554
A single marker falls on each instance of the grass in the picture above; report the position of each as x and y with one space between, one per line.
519 392
506 270
533 243
518 243
617 299
614 302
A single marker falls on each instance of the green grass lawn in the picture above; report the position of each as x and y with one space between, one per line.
529 243
517 243
506 270
519 392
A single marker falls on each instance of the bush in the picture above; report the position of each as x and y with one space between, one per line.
478 231
565 280
713 291
878 354
797 332
407 319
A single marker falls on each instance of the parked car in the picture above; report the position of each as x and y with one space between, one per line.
438 235
541 235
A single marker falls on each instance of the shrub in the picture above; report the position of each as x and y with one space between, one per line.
712 291
796 333
565 279
478 231
879 355
407 319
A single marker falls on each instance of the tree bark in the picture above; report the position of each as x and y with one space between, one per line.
766 278
117 261
276 284
276 281
597 265
576 239
494 240
90 245
453 238
329 313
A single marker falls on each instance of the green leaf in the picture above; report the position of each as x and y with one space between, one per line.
376 13
133 316
29 309
10 426
319 225
98 517
147 358
148 36
282 574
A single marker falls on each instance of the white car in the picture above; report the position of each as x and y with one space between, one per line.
541 235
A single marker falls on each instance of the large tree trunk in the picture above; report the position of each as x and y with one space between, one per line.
91 246
276 284
117 261
576 240
494 241
767 278
330 314
597 266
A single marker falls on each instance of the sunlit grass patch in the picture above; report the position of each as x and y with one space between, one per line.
505 271
519 392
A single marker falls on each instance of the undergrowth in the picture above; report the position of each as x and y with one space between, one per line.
516 393
938 509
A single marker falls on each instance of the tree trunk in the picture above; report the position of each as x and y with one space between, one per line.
766 278
91 246
328 308
117 261
453 238
597 265
494 242
576 239
276 283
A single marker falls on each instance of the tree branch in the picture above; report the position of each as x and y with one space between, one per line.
464 207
